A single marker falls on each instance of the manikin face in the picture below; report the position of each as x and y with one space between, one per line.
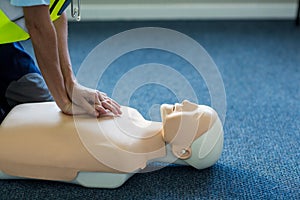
183 124
185 108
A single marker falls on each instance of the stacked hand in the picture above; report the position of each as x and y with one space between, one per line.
85 100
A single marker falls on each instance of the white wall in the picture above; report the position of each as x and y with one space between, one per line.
187 9
180 1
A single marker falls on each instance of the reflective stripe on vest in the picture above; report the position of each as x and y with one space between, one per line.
12 31
57 7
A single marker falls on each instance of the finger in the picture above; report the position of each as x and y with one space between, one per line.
117 107
105 112
107 104
101 110
108 114
97 100
115 103
104 98
101 96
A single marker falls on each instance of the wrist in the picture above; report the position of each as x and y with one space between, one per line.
63 103
69 84
69 78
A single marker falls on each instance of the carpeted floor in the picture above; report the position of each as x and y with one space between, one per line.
260 65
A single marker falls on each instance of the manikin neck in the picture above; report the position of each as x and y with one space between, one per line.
170 158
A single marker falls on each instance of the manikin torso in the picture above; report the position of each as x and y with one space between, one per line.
38 141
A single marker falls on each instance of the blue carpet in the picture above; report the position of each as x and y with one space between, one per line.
260 65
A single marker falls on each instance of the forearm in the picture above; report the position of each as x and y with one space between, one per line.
51 49
44 42
61 27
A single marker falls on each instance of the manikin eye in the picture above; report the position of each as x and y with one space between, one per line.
177 107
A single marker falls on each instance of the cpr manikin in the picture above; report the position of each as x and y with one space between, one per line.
38 141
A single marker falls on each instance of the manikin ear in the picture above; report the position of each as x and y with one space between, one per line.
181 153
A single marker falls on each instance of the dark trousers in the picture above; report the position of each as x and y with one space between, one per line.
20 79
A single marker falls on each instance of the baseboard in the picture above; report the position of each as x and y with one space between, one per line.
187 11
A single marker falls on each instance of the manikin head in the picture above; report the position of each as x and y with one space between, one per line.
194 133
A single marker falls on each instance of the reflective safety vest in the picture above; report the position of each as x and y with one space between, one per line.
12 22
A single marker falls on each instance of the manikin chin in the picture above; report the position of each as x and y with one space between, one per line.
38 141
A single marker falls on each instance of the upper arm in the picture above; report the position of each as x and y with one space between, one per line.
29 2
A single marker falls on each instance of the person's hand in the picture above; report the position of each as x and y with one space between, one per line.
93 102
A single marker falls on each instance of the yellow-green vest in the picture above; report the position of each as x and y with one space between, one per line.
10 31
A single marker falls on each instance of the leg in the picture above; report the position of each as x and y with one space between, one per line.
2 115
20 78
